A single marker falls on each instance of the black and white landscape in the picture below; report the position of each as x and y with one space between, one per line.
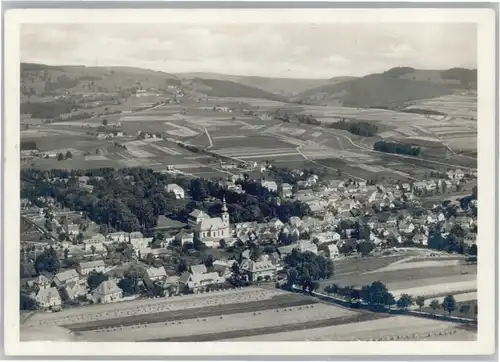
248 182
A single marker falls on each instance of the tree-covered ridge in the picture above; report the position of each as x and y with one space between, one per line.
131 199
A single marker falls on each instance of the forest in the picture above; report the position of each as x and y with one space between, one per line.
132 199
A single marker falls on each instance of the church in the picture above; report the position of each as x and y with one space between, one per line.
210 230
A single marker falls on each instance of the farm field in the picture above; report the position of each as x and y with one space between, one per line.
391 328
417 278
193 325
455 105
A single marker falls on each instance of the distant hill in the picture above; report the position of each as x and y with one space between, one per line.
39 79
391 89
281 86
226 88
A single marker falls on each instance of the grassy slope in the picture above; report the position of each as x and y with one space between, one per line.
393 88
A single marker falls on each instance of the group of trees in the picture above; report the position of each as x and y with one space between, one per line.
396 147
47 261
374 295
377 295
364 129
306 268
64 156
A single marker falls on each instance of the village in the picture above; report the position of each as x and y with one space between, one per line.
349 220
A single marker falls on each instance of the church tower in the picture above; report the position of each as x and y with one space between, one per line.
225 213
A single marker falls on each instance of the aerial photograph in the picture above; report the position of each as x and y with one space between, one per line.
205 182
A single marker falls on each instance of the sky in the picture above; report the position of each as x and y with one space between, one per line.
271 50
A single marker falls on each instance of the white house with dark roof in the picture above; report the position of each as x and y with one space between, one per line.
176 190
48 298
107 292
86 268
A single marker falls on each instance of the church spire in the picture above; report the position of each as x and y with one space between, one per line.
224 206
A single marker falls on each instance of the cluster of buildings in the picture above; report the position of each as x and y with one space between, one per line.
71 285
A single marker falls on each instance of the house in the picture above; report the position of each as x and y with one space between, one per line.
306 245
286 190
154 274
286 250
48 298
420 239
406 227
65 277
224 268
470 239
119 237
275 224
271 186
140 243
258 270
331 250
392 221
326 237
176 190
194 283
184 237
44 281
210 229
170 285
107 292
198 269
86 268
95 243
72 229
74 290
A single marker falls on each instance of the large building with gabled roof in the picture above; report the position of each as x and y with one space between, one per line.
210 229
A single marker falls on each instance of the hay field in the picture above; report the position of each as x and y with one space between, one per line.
392 328
99 312
192 327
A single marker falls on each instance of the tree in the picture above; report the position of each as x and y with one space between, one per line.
27 303
209 261
93 249
473 250
47 261
420 301
404 301
182 267
68 155
449 304
434 305
365 248
95 279
104 122
66 253
60 157
464 309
